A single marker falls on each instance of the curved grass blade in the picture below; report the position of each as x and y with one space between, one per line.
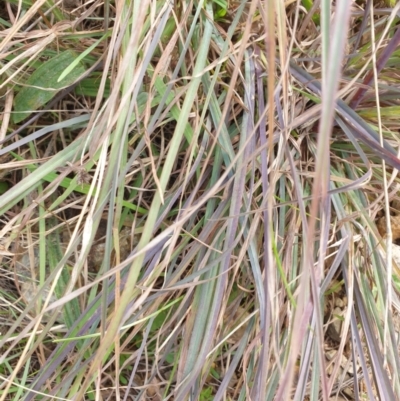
360 129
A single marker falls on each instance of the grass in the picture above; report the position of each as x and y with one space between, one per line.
194 188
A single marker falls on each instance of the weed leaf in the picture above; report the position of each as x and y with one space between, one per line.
43 84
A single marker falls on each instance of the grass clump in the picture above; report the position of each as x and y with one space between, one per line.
192 198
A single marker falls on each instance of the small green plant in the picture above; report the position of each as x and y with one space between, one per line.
220 9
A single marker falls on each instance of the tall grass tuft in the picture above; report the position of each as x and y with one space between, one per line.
199 200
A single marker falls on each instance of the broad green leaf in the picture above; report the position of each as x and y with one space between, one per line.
76 62
43 84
